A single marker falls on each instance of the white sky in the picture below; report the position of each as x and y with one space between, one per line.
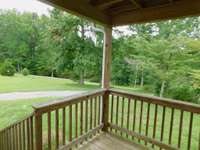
37 7
25 5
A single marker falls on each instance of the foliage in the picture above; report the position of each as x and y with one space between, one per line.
7 69
162 57
25 72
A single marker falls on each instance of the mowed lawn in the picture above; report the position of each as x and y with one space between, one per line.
19 83
12 111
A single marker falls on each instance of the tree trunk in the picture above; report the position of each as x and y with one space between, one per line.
142 79
52 73
162 88
136 74
81 82
18 68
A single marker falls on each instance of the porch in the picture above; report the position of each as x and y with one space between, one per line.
107 119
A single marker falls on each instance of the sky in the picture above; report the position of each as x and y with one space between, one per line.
25 5
38 7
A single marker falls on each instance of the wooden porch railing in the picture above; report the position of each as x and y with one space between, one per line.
65 124
19 136
154 121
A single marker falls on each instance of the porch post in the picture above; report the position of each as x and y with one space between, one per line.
106 57
106 74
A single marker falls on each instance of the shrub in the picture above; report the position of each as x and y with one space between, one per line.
7 69
184 92
25 72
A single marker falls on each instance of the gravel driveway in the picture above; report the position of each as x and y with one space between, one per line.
31 95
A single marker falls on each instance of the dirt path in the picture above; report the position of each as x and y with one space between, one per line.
31 95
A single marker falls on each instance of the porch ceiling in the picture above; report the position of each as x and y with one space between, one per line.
123 12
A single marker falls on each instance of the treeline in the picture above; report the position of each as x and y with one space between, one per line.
162 57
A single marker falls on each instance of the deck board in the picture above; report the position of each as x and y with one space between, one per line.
106 141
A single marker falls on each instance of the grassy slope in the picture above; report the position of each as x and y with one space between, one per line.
12 111
35 83
39 83
20 83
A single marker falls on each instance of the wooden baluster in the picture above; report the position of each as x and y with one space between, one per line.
10 139
28 133
105 111
81 119
31 130
38 131
190 131
86 116
70 123
91 113
171 126
99 114
1 140
128 116
49 129
117 112
122 117
95 112
64 126
4 134
180 129
134 115
147 121
5 139
140 123
24 135
155 123
20 137
16 134
76 113
57 127
199 140
163 124
14 137
2 145
111 110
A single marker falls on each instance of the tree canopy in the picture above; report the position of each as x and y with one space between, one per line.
161 57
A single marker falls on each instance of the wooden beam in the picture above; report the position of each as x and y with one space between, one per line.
106 58
106 3
170 11
81 8
135 3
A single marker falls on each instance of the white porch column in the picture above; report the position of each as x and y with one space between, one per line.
107 50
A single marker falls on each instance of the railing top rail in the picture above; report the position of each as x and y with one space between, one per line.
194 108
53 105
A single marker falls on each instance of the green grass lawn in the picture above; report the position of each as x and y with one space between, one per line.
38 83
20 83
12 111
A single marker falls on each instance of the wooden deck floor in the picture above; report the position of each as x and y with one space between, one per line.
106 141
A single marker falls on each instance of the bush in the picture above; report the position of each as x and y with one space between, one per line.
184 92
25 72
7 69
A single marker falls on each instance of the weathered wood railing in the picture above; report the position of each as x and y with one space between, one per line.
65 124
155 122
19 136
68 123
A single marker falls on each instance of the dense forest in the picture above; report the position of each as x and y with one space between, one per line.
161 57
